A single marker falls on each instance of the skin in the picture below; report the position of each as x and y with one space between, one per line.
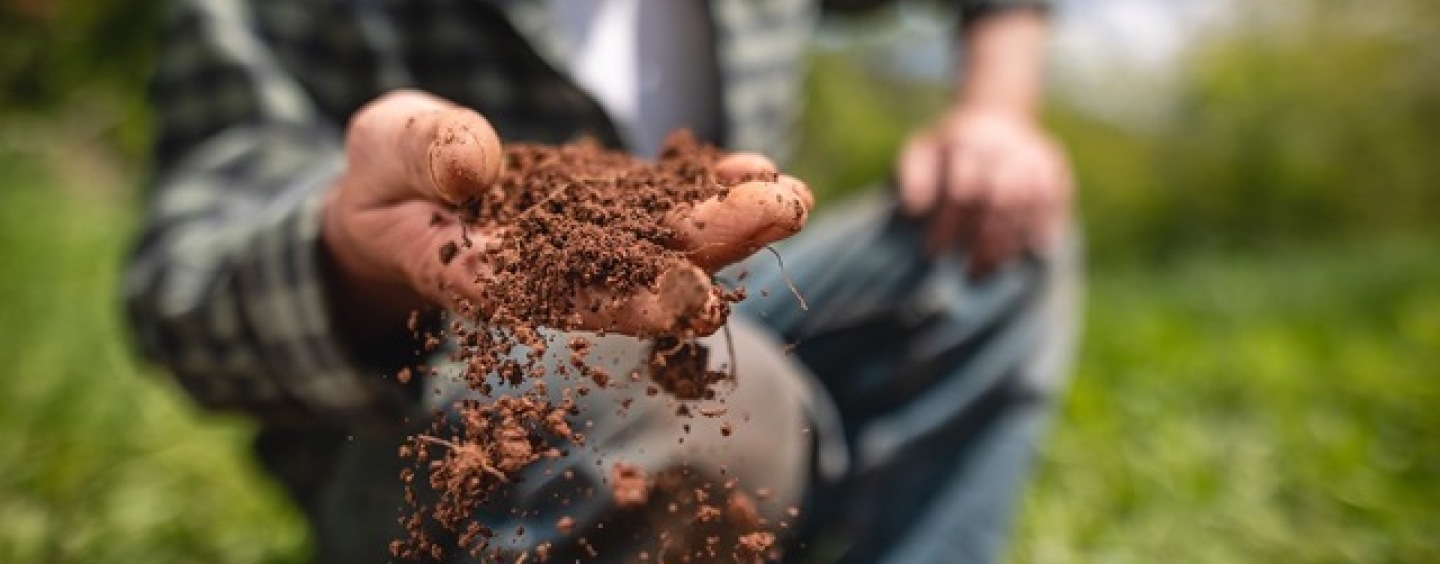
985 175
412 156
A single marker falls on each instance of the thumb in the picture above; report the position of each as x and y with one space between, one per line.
415 145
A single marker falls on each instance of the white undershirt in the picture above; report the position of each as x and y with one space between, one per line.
649 63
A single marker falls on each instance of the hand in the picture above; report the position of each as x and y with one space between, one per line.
412 157
988 180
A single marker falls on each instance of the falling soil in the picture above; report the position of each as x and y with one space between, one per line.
569 233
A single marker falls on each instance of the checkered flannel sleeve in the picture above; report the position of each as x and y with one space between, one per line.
225 288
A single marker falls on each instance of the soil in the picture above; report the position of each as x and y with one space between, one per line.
628 486
561 225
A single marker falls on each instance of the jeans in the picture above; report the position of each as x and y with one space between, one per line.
902 423
942 384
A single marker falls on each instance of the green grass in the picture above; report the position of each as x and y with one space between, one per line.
1274 407
1279 407
100 460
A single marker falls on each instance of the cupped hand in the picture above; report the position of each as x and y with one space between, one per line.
412 157
989 181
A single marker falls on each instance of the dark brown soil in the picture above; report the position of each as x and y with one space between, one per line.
680 367
562 225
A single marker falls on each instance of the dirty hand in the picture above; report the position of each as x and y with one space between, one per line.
412 157
990 181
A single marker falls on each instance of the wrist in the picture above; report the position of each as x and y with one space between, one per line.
1003 69
1008 109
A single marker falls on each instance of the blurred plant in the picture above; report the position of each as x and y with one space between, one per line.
853 125
1309 118
60 55
1315 120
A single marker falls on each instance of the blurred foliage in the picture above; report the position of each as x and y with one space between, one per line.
1306 118
64 56
1251 407
1314 122
853 125
101 461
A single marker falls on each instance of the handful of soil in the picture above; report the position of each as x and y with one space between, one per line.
576 237
580 237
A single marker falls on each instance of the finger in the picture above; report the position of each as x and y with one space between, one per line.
717 232
995 242
966 169
434 262
740 167
1056 189
799 189
1040 211
682 301
422 146
947 227
919 173
962 192
464 153
1001 229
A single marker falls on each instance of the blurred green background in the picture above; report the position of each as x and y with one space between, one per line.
1258 380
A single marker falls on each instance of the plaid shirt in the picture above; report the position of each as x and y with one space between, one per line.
226 288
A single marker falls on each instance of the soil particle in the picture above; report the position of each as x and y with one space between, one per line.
757 543
679 367
628 485
741 513
448 252
707 513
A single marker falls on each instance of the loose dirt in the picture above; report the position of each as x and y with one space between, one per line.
572 233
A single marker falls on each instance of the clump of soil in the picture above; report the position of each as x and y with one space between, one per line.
757 543
570 233
628 486
680 368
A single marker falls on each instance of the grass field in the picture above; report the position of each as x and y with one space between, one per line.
1278 407
1275 406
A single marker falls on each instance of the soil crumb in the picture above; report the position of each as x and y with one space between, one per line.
628 486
